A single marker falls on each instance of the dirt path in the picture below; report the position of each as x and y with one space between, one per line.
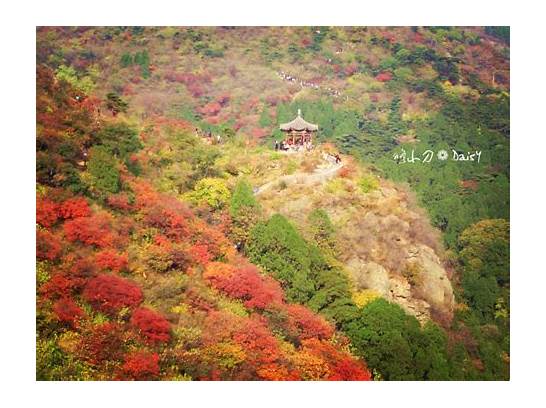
320 175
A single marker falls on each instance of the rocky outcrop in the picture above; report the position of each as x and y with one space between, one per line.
434 284
400 293
384 239
369 275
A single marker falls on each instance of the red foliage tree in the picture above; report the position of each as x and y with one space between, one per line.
244 283
104 342
141 365
308 324
67 311
81 271
59 286
349 370
219 326
213 238
48 245
260 346
154 327
211 109
119 202
109 293
110 259
200 254
384 76
259 133
74 208
94 230
83 268
351 69
46 212
342 366
169 216
277 372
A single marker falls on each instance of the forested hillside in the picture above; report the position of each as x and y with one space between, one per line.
174 243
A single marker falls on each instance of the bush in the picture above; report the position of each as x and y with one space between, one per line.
154 327
104 172
244 283
74 208
109 293
48 246
368 183
322 229
115 104
308 324
94 230
141 366
46 212
103 342
110 259
210 191
67 311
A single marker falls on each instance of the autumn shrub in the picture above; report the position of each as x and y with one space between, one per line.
384 76
180 256
81 270
120 201
310 366
74 208
110 293
59 286
154 327
93 230
277 372
322 230
48 245
102 342
46 212
308 324
342 366
158 258
211 108
349 370
210 191
141 365
368 183
171 220
216 242
219 326
244 283
110 259
67 311
258 342
200 254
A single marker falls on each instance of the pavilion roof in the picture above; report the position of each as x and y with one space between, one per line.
298 124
